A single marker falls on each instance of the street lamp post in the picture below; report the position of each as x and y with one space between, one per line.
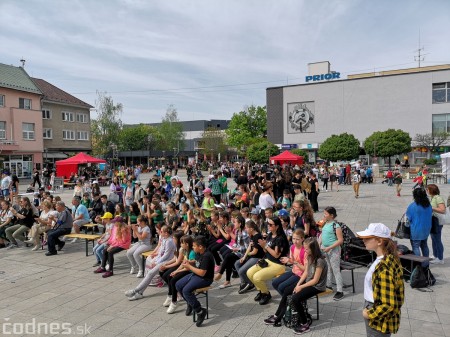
149 140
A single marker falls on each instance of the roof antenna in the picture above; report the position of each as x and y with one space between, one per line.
23 62
420 57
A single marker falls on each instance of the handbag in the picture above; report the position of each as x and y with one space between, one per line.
434 224
444 219
113 197
262 263
403 230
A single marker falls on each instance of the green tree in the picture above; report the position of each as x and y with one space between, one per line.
388 143
105 129
136 137
261 151
169 134
431 141
246 126
300 152
213 142
339 147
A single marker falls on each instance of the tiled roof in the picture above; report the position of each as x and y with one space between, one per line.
16 78
54 94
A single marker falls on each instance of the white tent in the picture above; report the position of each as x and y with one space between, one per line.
445 159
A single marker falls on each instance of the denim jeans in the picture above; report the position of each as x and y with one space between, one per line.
186 287
98 251
283 281
242 268
436 242
420 245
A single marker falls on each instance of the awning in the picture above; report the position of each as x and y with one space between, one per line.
55 155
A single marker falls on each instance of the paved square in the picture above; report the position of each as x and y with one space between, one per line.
64 291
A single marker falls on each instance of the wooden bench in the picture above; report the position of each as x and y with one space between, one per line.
144 256
201 293
89 225
413 258
351 267
86 237
323 293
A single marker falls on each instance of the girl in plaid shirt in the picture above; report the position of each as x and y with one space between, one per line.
383 284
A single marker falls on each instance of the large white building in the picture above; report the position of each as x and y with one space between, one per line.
416 100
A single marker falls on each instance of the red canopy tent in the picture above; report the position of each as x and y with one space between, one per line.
287 157
65 167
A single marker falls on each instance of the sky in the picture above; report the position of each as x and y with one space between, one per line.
211 58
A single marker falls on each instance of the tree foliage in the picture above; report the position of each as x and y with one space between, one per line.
105 129
431 141
261 151
339 147
300 152
135 138
388 143
213 142
247 125
169 133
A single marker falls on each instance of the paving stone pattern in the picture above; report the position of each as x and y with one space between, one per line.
63 289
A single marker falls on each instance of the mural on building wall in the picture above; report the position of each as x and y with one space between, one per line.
301 117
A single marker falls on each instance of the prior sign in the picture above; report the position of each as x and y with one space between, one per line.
322 77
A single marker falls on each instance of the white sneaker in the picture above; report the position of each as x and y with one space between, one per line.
172 308
167 301
136 296
130 293
12 245
36 248
133 270
437 261
74 240
140 274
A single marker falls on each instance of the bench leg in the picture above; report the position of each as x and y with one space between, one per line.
353 281
143 263
317 304
87 247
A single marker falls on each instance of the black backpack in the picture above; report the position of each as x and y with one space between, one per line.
421 278
290 318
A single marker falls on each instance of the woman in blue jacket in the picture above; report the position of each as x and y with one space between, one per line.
419 215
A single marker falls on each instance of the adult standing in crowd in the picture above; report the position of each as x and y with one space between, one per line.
266 199
438 206
383 284
314 193
419 215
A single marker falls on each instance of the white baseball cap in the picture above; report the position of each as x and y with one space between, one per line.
378 230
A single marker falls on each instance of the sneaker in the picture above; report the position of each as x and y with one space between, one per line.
96 264
258 297
140 274
74 240
160 284
12 245
301 329
29 241
338 296
200 317
265 298
130 293
243 288
167 301
270 320
99 270
172 308
437 261
107 274
136 296
133 270
37 247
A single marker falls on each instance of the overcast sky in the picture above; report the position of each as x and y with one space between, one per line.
211 58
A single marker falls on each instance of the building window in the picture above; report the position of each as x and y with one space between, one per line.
67 116
441 123
28 131
83 135
82 118
47 133
46 114
68 135
25 103
2 130
441 92
2 100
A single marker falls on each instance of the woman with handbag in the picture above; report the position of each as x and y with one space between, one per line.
419 215
439 210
